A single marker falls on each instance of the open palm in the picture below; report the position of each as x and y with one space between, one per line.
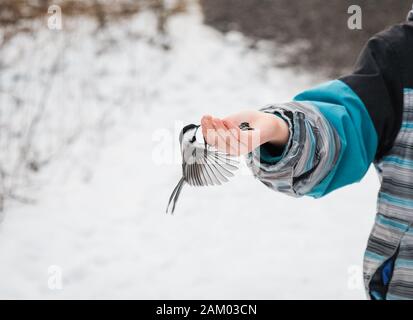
226 136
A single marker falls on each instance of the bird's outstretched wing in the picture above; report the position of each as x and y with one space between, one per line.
209 167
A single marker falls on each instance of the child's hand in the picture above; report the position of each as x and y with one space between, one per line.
226 136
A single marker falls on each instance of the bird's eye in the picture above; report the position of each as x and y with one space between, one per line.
193 139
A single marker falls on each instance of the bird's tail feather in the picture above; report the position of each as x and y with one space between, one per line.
175 194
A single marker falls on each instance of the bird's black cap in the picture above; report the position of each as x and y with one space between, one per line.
185 129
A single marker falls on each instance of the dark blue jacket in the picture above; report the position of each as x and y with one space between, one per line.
337 131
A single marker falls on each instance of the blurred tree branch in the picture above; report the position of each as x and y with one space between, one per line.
23 119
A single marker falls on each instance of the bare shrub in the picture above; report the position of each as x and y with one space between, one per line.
27 143
14 11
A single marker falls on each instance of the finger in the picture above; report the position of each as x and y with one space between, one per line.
210 134
234 132
223 134
227 142
219 127
205 125
233 129
242 137
218 124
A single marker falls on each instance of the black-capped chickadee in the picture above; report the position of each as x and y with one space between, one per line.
202 165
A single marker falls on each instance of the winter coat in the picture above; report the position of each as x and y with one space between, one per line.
337 130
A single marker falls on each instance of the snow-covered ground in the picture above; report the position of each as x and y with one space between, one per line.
99 220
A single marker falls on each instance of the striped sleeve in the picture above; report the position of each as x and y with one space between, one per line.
332 143
339 128
313 147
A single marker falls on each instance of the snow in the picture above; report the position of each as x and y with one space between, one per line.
100 215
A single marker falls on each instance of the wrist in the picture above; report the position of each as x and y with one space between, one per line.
275 130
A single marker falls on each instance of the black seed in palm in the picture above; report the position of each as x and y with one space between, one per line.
245 126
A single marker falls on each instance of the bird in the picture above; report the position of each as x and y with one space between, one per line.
202 165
